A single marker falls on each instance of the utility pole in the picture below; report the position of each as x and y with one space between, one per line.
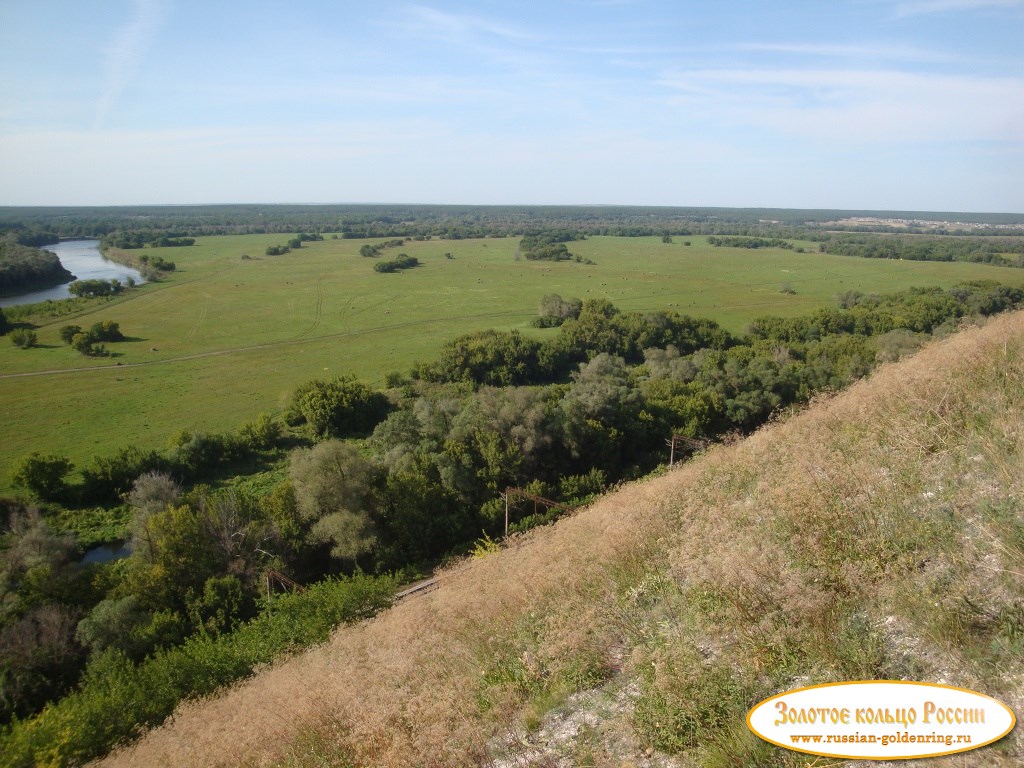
510 493
694 444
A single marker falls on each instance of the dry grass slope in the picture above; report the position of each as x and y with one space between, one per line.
879 534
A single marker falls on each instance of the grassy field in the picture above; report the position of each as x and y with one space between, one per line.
225 338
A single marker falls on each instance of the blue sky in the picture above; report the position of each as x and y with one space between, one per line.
882 104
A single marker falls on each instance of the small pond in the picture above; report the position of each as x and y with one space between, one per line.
106 553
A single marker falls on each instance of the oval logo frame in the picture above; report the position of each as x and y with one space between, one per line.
881 720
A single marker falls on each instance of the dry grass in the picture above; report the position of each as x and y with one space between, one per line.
877 535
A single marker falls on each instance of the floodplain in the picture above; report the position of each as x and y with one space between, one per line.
233 331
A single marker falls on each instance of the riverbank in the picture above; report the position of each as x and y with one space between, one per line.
78 260
25 269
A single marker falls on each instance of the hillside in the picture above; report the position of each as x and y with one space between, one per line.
878 534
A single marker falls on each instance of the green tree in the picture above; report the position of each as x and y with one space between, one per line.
499 358
222 605
114 623
43 475
333 483
23 338
339 407
554 310
106 330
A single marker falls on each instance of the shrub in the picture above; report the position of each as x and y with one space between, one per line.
43 475
107 478
262 434
89 288
339 407
402 261
83 342
198 455
107 330
24 338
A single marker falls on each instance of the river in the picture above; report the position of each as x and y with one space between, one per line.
83 259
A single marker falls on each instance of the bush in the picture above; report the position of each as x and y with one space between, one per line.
83 342
107 330
43 475
339 407
68 332
262 434
108 478
198 455
402 261
554 310
89 288
24 338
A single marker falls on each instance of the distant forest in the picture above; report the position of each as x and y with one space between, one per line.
37 226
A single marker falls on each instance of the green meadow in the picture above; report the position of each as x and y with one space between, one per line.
224 337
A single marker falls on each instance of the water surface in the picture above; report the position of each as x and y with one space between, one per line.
83 259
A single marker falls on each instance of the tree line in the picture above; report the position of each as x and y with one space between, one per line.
25 268
37 226
1007 252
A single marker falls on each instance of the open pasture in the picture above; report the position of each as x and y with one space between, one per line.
224 338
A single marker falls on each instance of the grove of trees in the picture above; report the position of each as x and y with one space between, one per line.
25 268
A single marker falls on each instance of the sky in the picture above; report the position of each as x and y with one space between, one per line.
855 104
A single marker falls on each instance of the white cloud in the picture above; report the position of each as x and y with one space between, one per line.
844 51
125 53
857 106
921 7
464 28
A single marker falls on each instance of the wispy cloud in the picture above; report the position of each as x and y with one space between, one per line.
921 7
465 28
879 52
126 51
857 106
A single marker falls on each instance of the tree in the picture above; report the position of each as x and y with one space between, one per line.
332 483
339 407
24 338
500 358
83 342
68 332
554 310
43 475
38 658
151 492
106 330
89 288
106 478
114 623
